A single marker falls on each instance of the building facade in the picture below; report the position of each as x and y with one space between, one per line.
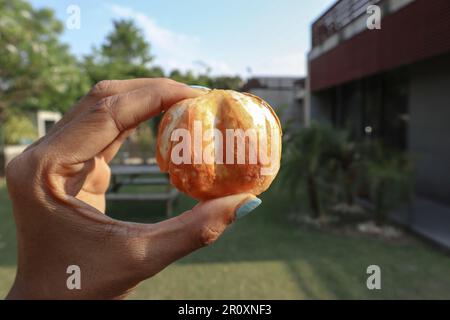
392 83
285 94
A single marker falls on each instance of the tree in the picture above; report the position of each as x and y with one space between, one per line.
316 156
332 167
19 127
37 70
126 45
227 82
187 77
303 161
125 54
219 82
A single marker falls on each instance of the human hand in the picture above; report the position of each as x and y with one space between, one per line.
57 187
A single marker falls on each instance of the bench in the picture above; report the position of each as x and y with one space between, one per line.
123 175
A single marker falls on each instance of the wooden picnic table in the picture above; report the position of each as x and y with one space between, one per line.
133 169
123 175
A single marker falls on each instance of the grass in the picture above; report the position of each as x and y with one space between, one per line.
263 256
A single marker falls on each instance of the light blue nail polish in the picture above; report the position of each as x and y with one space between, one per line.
247 207
200 87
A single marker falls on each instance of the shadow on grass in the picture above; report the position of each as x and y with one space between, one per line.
137 211
320 264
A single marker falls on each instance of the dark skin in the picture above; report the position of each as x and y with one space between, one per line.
57 187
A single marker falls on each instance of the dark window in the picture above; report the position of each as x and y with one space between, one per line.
376 106
48 124
394 113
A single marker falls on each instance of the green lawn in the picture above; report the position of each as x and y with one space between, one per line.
263 256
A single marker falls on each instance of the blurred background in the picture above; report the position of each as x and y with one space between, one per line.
361 88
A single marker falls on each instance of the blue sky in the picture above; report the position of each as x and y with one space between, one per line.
270 37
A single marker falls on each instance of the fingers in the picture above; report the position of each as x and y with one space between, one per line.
172 239
108 88
110 151
102 89
99 125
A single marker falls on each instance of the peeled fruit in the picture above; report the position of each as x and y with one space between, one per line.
220 143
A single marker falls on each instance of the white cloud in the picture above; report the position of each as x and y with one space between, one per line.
174 50
164 39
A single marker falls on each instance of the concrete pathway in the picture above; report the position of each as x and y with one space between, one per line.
428 218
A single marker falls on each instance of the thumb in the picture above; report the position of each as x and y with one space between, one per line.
174 238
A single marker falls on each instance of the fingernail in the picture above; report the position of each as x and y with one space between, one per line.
247 207
202 88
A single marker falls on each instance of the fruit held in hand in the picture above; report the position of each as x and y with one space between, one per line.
220 143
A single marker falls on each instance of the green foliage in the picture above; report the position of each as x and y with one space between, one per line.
221 82
126 45
388 178
331 169
37 70
18 128
125 54
225 82
188 77
315 155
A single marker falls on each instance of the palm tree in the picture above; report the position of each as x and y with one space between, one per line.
388 177
307 159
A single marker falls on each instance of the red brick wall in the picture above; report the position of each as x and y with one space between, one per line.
416 32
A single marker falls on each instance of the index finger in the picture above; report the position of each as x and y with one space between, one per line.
103 89
91 131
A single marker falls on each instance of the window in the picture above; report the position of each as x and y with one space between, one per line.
376 107
48 124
